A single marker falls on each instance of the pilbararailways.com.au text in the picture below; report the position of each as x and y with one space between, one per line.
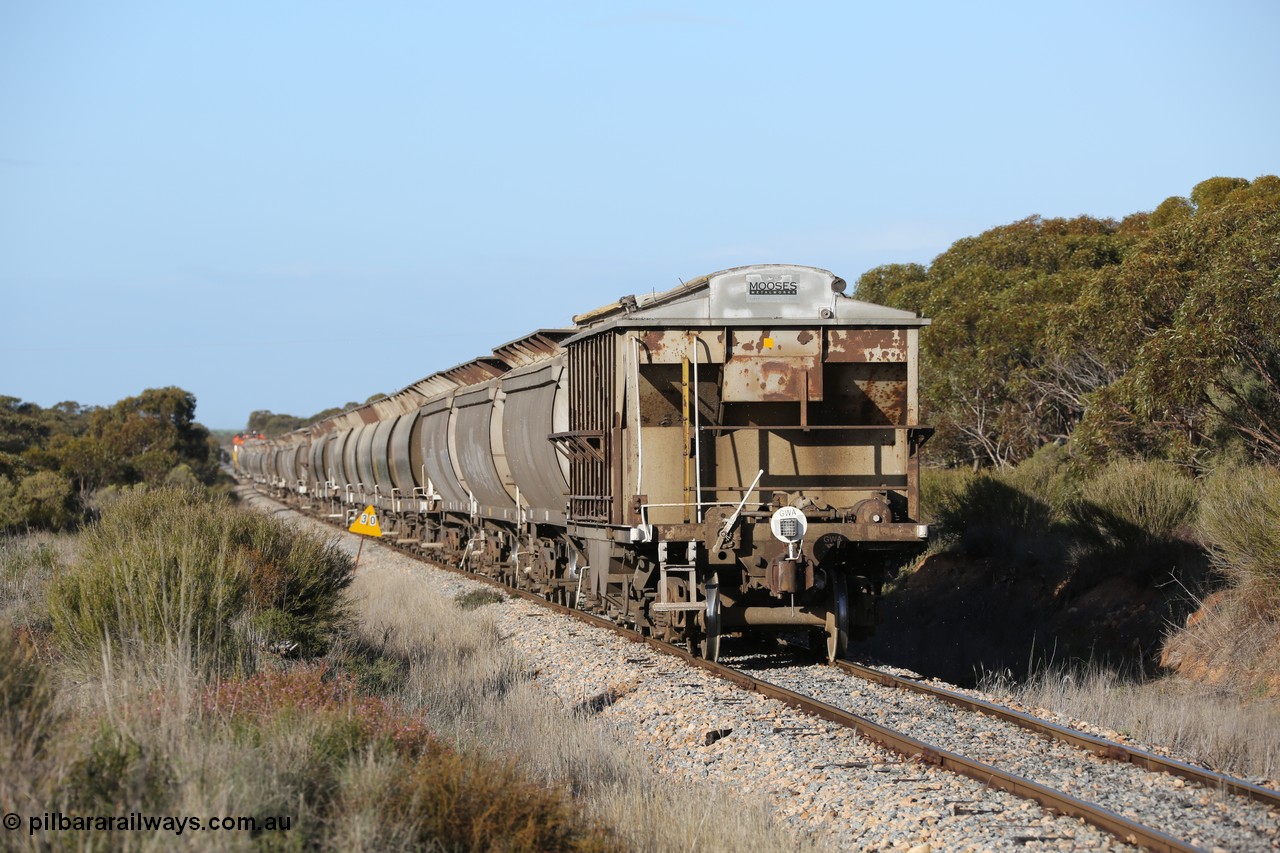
139 822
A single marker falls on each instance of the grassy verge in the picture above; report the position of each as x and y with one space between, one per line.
1210 725
474 692
186 658
164 693
1150 533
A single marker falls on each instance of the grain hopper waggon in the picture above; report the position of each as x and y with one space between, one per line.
734 455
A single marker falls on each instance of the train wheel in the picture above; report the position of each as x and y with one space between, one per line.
710 645
838 619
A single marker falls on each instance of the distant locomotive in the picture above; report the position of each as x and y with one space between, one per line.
736 454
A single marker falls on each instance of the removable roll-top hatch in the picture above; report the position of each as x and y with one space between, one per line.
381 455
337 463
474 442
364 456
349 469
436 458
403 471
536 405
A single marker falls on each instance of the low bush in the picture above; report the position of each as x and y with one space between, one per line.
44 500
1239 521
988 512
478 598
457 801
433 795
27 566
172 571
116 773
27 694
1136 504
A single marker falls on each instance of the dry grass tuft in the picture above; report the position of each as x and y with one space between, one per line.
1240 522
1211 726
476 694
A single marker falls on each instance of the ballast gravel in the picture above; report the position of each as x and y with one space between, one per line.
1185 810
822 780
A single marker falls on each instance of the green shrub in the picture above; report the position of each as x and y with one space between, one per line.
27 695
478 598
1136 503
1239 520
989 512
27 566
456 801
165 572
116 772
45 500
941 491
1049 477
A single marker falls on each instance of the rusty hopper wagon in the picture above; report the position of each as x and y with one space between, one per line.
738 454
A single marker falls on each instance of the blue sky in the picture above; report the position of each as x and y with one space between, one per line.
206 195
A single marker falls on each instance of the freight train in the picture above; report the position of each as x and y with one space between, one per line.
735 455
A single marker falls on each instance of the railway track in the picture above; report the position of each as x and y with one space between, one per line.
1156 831
1099 746
1127 829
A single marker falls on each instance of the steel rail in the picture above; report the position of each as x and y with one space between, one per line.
1099 746
1127 830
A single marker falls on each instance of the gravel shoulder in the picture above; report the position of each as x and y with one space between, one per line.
821 781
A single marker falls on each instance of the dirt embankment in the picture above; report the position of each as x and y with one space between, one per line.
1226 644
956 617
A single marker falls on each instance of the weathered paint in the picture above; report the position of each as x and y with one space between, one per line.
672 346
867 345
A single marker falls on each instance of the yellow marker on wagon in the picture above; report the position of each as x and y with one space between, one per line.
367 523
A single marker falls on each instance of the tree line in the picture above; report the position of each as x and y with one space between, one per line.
274 425
52 461
1156 336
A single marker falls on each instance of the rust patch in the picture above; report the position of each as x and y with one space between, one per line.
867 345
773 380
654 343
887 395
670 346
805 336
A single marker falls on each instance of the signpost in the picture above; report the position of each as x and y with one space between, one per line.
366 525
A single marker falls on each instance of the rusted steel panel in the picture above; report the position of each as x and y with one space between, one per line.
477 371
887 392
772 343
671 346
867 345
774 365
540 345
772 379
